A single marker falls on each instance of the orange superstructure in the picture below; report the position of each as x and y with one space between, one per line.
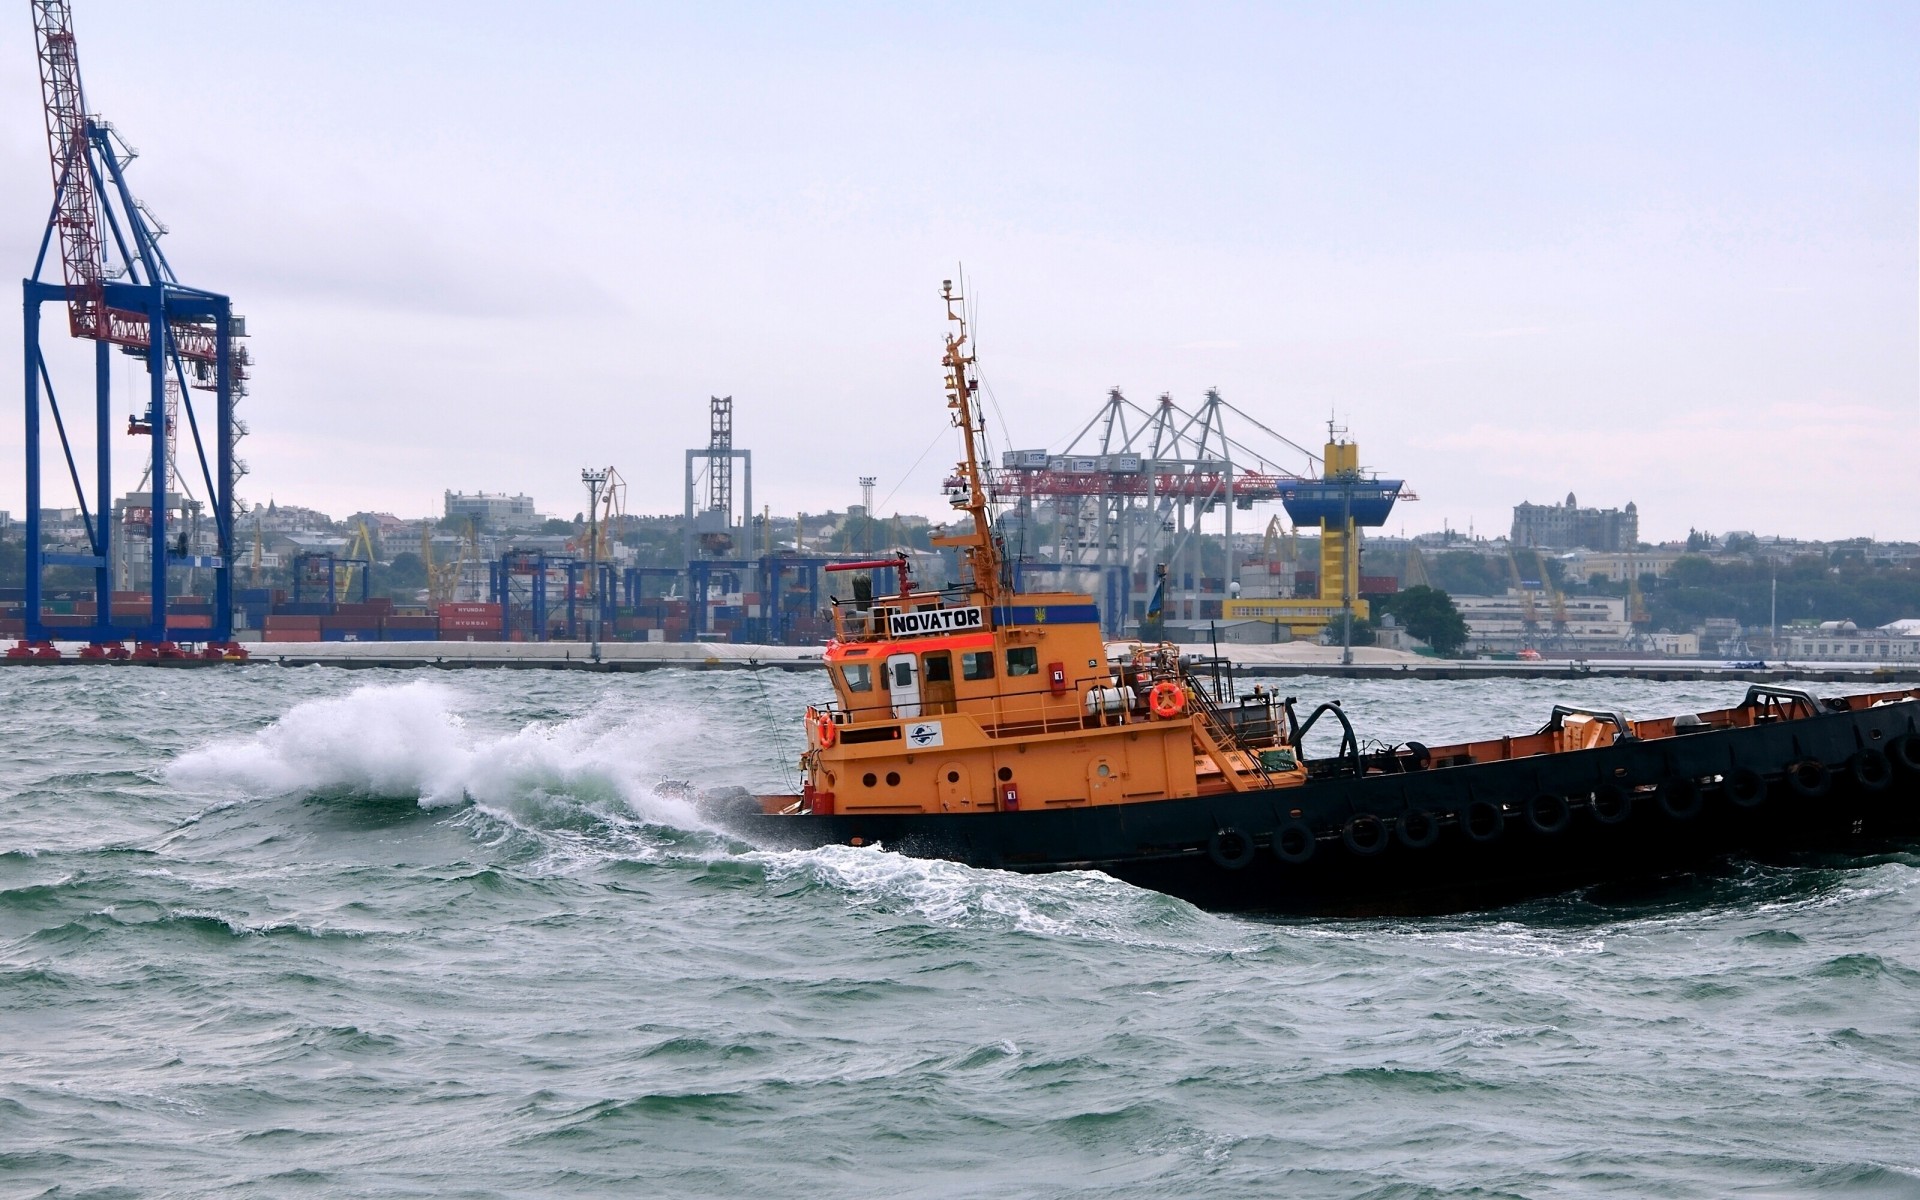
981 699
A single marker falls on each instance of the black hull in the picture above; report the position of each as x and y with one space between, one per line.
1313 849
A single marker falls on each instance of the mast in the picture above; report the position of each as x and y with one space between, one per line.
982 552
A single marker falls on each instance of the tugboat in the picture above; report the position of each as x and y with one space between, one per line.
998 729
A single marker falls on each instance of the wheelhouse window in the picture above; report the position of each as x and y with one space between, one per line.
1023 660
937 668
859 677
976 664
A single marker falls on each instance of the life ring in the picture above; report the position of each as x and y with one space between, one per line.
1612 804
1907 751
1548 813
1418 829
1809 778
1294 842
1746 787
1230 848
1365 834
1871 770
1167 699
1483 820
829 732
1680 799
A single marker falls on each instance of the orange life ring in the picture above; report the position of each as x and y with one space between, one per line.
829 732
1167 700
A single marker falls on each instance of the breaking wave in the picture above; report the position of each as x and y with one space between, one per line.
412 741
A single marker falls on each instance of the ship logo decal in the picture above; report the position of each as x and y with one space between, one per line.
923 734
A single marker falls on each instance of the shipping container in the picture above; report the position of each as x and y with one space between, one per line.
470 610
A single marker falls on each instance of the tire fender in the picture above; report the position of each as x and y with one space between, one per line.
1612 804
1483 820
1548 813
1680 799
1294 842
1871 769
1230 848
1418 829
1809 778
1746 787
1366 834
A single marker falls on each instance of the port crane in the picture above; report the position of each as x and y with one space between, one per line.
121 292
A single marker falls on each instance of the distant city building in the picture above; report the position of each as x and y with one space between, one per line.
1620 566
1501 623
1570 527
1836 641
383 524
494 511
288 518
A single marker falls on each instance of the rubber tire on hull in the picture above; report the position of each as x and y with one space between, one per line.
1548 813
1680 799
1230 848
1365 834
1809 778
1294 842
1746 787
1418 829
1612 804
1906 752
1483 820
1871 769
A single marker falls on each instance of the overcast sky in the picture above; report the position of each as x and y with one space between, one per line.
1655 253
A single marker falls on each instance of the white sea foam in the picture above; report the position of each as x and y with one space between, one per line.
1079 904
410 741
377 741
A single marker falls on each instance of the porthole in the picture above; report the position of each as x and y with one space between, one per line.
893 779
868 779
1006 773
953 777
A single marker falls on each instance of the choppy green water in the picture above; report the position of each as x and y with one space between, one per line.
275 933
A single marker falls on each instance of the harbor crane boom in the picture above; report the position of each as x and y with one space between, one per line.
120 291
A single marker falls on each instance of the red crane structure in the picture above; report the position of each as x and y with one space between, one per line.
120 291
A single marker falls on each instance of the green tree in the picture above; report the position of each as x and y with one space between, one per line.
1428 614
1465 573
405 574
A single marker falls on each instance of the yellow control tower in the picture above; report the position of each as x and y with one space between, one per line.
1342 502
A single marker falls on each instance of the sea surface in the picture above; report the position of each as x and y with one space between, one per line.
273 932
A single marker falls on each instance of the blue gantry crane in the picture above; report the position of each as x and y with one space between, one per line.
121 292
